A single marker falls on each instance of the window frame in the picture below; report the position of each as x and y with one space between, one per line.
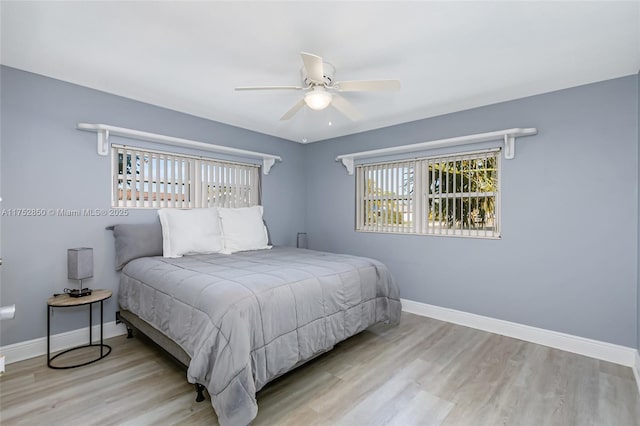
241 189
420 223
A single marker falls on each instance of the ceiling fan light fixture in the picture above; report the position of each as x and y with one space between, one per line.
318 76
318 99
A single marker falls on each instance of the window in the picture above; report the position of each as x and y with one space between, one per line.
455 195
153 179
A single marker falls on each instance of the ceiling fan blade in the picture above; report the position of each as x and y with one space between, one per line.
269 88
345 107
313 65
366 85
297 107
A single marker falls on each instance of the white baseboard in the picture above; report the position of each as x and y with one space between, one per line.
36 347
617 354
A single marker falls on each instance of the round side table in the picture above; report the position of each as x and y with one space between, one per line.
65 301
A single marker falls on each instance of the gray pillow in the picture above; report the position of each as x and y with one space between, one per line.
137 240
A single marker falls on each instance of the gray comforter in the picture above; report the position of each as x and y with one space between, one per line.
249 317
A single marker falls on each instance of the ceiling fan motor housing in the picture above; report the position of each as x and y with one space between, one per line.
328 75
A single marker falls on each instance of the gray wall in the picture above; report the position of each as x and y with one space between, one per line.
47 163
567 260
638 210
568 257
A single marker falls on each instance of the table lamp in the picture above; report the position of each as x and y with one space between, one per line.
79 267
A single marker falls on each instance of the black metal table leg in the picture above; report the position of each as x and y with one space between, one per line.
101 322
49 336
90 323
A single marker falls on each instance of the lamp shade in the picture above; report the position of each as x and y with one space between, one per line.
80 263
318 98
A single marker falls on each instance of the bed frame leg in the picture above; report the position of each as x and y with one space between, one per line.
200 390
129 333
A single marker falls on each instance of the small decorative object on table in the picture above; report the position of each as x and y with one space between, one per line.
79 267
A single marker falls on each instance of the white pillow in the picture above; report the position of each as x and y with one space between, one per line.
194 231
243 229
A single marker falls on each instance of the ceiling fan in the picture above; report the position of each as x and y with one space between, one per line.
318 81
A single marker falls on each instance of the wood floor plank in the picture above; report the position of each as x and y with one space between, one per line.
423 409
421 372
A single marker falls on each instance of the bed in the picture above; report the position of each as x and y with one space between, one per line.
238 321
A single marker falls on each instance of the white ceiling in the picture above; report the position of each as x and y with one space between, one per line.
449 56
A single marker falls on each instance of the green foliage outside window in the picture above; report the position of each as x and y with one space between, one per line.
473 182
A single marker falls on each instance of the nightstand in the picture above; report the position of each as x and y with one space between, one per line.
65 301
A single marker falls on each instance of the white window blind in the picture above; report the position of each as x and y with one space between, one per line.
152 179
386 197
456 195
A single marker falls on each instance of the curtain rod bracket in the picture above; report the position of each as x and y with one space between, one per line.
103 142
348 163
509 147
267 163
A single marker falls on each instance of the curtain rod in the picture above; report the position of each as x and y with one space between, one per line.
508 136
104 131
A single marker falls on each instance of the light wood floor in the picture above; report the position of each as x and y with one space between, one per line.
422 372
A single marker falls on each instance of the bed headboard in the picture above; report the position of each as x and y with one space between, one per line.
135 240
